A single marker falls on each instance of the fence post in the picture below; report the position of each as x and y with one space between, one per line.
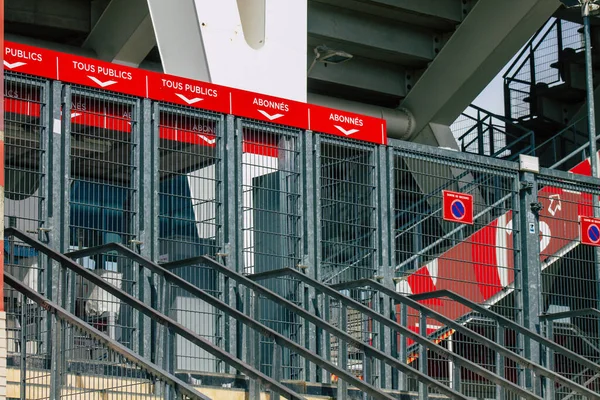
385 172
530 260
310 224
145 224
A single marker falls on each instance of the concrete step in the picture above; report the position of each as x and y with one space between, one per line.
109 388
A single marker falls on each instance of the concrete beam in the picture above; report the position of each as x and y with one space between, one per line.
123 33
486 40
371 36
73 15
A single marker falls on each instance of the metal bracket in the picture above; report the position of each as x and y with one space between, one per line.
536 207
526 185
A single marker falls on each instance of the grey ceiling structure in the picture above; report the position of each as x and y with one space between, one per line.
430 57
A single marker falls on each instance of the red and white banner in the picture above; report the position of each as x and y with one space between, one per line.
162 87
481 268
187 92
347 125
269 109
30 60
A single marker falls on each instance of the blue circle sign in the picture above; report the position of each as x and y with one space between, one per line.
593 233
458 209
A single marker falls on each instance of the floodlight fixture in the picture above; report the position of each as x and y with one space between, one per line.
327 55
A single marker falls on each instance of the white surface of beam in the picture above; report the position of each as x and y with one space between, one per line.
179 38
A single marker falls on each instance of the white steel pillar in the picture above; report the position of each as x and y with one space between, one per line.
256 45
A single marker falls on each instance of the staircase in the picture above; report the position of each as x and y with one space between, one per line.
94 364
545 93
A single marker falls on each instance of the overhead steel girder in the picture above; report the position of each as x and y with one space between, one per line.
371 36
71 15
361 73
486 40
451 11
123 33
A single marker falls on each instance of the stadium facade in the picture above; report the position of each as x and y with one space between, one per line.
279 207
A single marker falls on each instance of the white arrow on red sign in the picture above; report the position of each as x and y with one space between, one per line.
344 131
100 83
270 117
189 101
13 65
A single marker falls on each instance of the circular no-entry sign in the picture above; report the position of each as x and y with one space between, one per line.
593 233
458 209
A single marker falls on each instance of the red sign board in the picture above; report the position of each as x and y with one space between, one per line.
269 108
589 231
190 93
187 92
103 75
348 125
30 60
457 207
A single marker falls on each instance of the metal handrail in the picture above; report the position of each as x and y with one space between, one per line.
517 59
579 150
162 319
508 323
109 342
489 116
355 305
320 323
170 277
412 302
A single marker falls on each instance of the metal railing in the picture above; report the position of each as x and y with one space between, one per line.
420 338
158 317
502 322
83 367
485 133
239 315
535 65
563 326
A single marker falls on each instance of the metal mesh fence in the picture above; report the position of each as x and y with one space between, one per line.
80 366
569 277
478 261
537 67
102 203
271 223
190 220
347 177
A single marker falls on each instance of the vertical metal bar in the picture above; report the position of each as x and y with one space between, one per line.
310 245
66 291
55 203
500 367
23 340
423 361
531 270
57 350
586 6
342 386
152 227
385 194
145 195
550 361
253 347
455 371
277 366
403 347
230 244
